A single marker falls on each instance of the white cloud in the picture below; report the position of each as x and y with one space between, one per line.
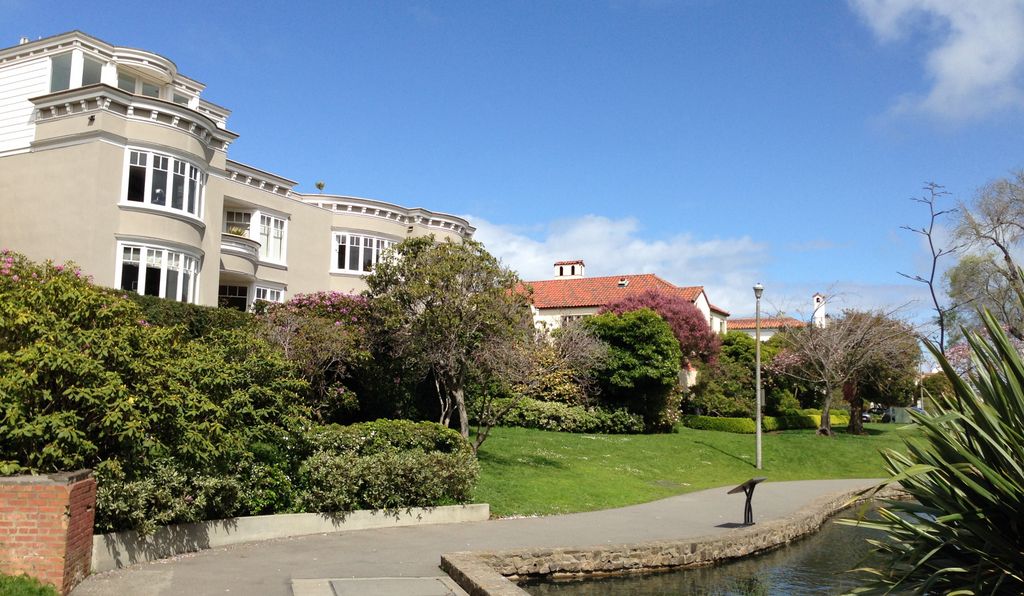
976 66
727 267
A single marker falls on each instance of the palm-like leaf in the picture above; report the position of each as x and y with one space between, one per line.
964 531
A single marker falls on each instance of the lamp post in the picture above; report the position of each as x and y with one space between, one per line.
758 290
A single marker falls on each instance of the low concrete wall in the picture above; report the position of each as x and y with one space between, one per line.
120 549
491 573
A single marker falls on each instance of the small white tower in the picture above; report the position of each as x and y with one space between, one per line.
569 268
818 318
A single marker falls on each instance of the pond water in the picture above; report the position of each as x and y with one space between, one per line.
818 564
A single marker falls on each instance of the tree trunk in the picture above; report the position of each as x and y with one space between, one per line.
460 405
446 404
851 395
825 428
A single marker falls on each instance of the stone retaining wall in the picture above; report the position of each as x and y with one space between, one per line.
491 573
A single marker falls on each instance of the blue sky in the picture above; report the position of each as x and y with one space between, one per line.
713 143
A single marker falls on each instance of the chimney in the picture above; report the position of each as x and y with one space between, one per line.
818 318
569 268
22 41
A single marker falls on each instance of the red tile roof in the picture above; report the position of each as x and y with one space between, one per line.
766 323
599 291
576 262
718 310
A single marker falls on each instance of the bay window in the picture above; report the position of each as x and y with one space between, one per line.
163 182
157 271
358 253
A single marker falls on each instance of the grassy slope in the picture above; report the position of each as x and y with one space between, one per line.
528 472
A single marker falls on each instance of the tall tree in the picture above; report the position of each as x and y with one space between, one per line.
978 282
935 193
994 221
842 353
435 308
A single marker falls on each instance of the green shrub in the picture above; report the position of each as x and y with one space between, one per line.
642 365
386 464
23 585
168 422
729 425
192 319
160 495
554 416
366 438
790 421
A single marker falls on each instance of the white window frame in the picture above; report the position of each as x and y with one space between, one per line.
265 256
378 245
194 177
164 256
269 293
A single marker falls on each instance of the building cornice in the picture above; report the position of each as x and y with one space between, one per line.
389 211
83 100
154 65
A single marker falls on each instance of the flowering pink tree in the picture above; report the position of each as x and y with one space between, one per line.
323 335
696 340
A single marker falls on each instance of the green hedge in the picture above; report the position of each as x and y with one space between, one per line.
196 320
768 423
387 464
723 424
557 416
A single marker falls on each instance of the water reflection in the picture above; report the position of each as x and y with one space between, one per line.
818 564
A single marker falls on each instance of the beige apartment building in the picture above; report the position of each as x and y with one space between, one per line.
110 157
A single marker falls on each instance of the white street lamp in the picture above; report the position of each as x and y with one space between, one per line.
758 290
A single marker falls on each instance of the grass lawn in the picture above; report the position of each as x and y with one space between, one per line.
533 472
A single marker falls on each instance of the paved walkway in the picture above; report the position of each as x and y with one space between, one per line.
311 564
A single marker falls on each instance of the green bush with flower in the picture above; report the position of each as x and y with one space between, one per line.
179 426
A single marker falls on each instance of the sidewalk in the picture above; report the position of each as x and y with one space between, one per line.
415 552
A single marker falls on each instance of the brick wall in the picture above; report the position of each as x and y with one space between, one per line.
46 526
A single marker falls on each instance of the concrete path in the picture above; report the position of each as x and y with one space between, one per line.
375 561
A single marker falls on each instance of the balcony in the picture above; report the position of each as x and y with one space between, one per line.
239 254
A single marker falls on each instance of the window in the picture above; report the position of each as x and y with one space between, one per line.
91 70
271 238
158 177
233 297
357 252
126 82
133 84
269 294
60 72
165 273
150 90
179 99
237 223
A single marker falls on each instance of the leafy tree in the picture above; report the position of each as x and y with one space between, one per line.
961 532
842 354
642 366
727 386
697 342
977 283
994 221
435 307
